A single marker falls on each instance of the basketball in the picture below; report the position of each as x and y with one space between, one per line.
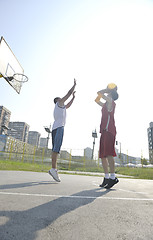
112 86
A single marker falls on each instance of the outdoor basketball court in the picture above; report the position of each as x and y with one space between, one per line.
34 206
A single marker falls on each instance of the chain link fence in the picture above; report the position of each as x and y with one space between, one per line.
12 149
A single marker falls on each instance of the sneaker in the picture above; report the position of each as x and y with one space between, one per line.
54 174
111 183
105 182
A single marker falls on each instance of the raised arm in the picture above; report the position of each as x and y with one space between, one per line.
102 94
107 98
63 99
70 103
97 100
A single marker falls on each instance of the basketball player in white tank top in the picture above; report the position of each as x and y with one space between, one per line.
58 127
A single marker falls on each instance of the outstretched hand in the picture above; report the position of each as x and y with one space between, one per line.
74 81
74 94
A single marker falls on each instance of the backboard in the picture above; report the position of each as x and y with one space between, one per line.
9 65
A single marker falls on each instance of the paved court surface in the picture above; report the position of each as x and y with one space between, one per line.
34 206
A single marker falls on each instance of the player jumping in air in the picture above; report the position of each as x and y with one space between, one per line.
108 134
58 128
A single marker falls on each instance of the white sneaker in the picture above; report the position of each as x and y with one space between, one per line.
54 174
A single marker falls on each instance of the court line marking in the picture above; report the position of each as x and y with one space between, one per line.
75 196
130 191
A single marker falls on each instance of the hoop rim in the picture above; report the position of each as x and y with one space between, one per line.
23 79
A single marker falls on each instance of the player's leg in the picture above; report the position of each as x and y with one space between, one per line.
53 171
57 139
113 180
110 151
105 167
110 156
111 164
104 160
54 159
54 149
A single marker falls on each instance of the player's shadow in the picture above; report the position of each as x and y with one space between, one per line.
27 184
25 224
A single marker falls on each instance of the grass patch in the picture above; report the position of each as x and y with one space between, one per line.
23 166
140 173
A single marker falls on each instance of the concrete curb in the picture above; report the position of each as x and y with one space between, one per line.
91 173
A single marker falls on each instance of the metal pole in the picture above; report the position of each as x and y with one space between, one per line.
93 148
94 135
70 157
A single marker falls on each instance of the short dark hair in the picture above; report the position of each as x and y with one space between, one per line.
114 95
56 99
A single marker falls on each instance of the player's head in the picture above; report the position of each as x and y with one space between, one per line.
114 94
56 99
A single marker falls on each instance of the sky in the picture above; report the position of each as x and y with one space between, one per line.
94 41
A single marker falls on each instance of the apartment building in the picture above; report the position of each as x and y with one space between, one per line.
34 138
43 143
19 130
5 115
150 141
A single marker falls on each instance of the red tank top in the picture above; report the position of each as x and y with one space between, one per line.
107 120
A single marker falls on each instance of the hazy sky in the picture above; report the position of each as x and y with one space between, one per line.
96 42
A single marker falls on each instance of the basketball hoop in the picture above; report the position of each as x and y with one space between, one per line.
10 68
19 77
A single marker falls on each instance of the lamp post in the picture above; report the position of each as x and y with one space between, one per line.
5 129
94 135
48 130
120 150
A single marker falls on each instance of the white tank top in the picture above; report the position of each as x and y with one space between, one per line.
59 116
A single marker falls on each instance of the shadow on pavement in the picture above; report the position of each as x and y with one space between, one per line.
28 184
25 224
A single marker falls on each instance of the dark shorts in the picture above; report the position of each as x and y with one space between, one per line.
107 145
57 139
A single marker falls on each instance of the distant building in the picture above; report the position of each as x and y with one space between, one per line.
150 141
34 138
19 130
88 153
43 142
64 154
5 115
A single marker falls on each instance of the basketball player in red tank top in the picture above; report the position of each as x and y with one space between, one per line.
108 134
